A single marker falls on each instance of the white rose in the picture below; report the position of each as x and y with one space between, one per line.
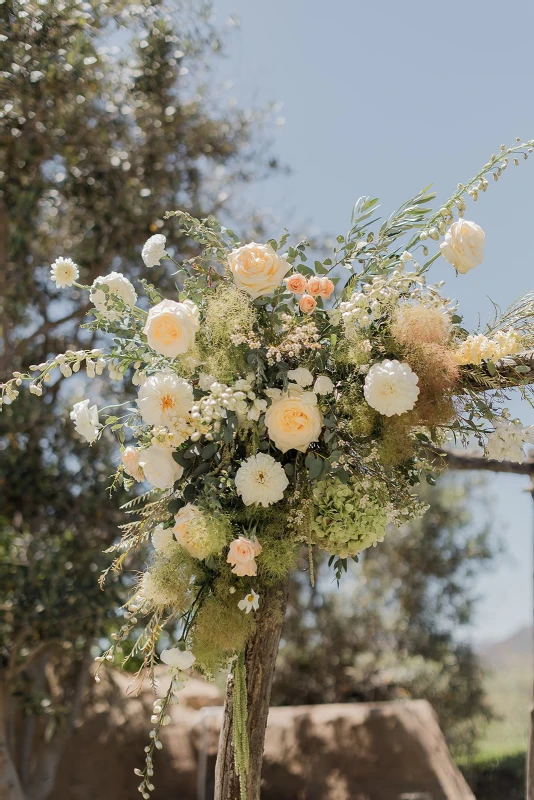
464 245
85 420
130 460
154 250
118 286
171 327
257 269
323 385
182 659
159 467
301 375
294 422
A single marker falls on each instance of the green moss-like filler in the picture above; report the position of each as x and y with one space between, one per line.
239 724
168 580
278 556
362 418
397 445
348 518
220 628
201 534
228 312
351 352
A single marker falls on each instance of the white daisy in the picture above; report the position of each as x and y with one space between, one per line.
154 250
250 602
391 388
64 272
165 399
261 480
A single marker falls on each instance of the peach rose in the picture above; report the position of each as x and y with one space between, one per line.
171 327
327 287
307 304
257 269
293 423
296 283
313 286
242 554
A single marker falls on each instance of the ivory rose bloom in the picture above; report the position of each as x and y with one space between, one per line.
464 245
242 555
171 327
159 467
296 283
307 304
293 423
119 287
257 269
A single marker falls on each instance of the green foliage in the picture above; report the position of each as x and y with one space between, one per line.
394 630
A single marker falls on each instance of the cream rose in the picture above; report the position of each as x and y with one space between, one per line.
257 269
307 304
296 283
464 245
293 423
171 327
242 554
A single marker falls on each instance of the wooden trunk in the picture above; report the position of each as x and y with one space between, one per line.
260 660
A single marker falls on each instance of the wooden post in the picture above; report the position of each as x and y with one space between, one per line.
260 660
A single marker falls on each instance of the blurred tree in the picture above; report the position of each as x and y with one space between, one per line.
95 147
394 630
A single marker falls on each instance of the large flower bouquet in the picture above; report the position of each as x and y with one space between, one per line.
281 403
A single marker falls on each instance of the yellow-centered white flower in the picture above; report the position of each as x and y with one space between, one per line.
391 388
171 327
261 480
294 422
257 269
64 272
250 602
464 245
165 399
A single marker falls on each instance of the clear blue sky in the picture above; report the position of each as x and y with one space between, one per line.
383 98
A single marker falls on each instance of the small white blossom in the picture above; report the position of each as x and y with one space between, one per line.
154 250
250 602
301 375
85 420
181 659
323 385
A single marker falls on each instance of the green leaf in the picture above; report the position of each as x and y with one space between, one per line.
175 505
209 451
490 366
289 469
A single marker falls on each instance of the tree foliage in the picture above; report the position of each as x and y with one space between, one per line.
95 146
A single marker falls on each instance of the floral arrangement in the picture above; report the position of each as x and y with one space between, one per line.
282 405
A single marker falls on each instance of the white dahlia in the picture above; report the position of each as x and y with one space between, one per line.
119 287
64 272
260 480
154 250
391 388
165 399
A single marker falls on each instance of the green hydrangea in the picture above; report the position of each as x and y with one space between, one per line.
348 517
